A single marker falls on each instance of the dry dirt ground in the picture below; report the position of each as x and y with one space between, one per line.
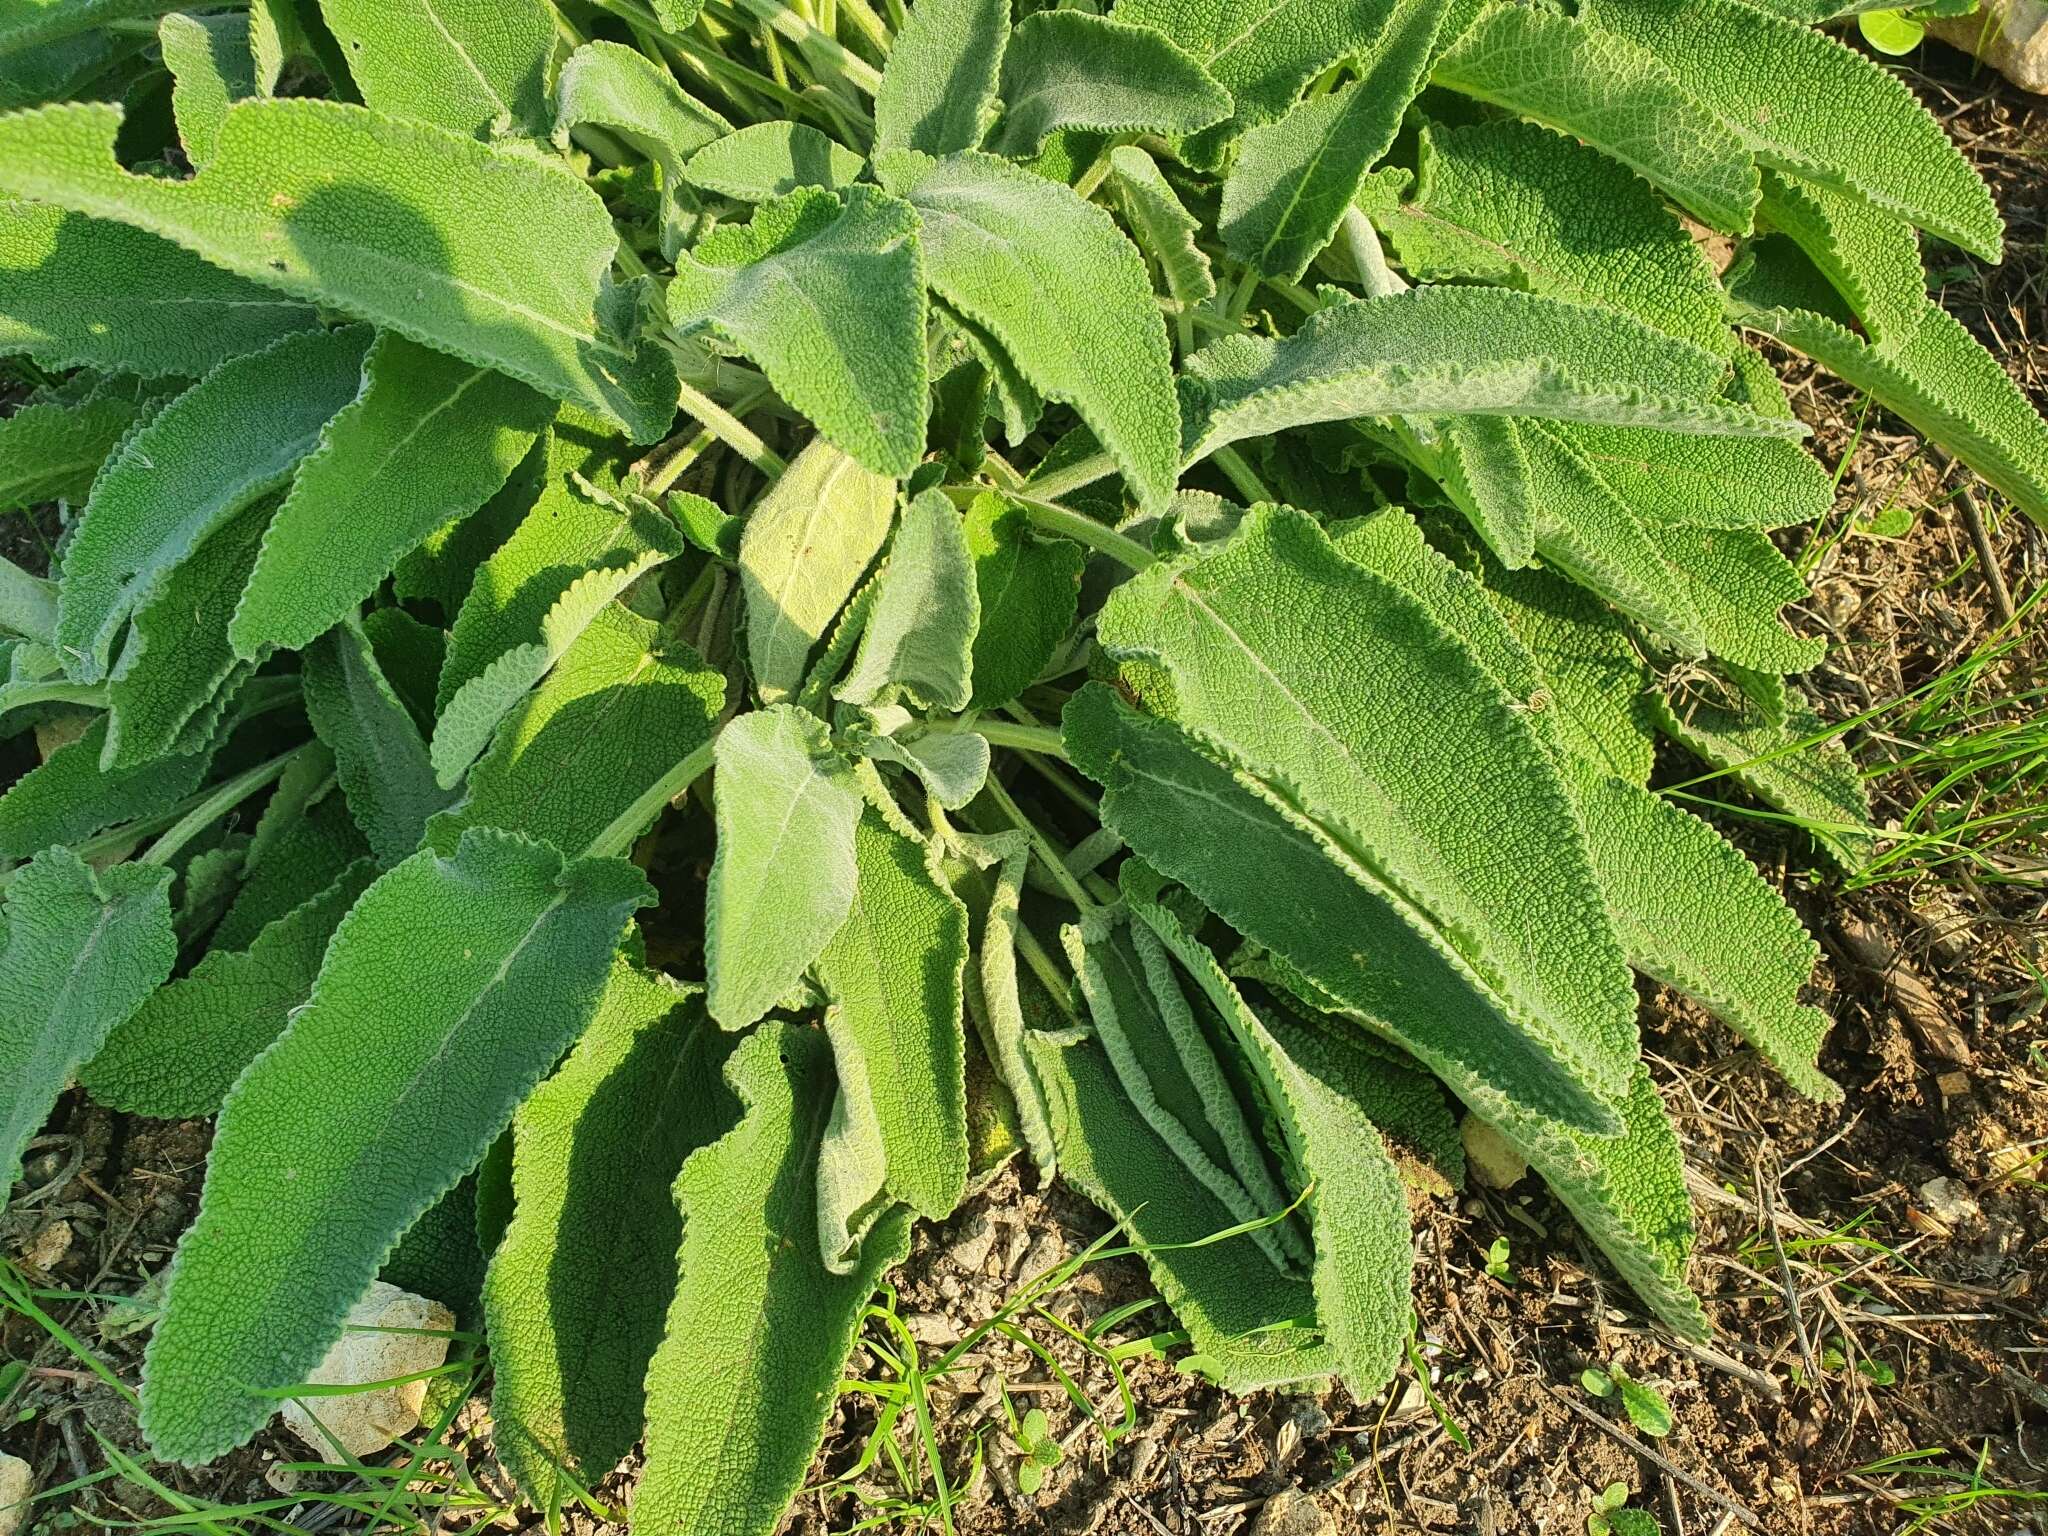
1877 1271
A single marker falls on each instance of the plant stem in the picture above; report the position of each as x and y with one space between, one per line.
1081 472
1005 733
217 802
1053 857
627 826
1051 517
1241 474
862 74
730 430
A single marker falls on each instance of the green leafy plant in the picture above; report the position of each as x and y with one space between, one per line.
1644 1404
674 627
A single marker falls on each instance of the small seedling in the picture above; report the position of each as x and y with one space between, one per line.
1497 1261
1644 1405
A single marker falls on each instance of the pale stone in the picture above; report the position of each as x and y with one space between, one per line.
17 1486
1293 1513
363 1423
2009 35
1490 1157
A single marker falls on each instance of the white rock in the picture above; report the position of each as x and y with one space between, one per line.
1489 1157
1293 1513
17 1484
2009 35
1948 1202
363 1423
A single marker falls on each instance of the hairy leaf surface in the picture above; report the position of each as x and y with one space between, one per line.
379 757
919 640
938 93
446 994
80 952
388 220
475 66
50 450
1069 69
739 1390
211 66
768 160
1028 589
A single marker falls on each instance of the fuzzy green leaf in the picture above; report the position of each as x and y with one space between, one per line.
1803 102
828 297
769 160
633 99
1704 482
919 641
1293 179
759 1331
1319 1086
785 875
1737 582
1062 290
81 951
446 994
1450 350
1279 881
938 92
1028 589
596 1153
475 66
1162 224
70 796
51 450
389 220
178 1055
803 550
1872 257
1068 69
234 436
429 440
80 292
1247 635
26 24
379 758
893 973
1515 203
623 704
1610 93
1251 1326
211 66
177 661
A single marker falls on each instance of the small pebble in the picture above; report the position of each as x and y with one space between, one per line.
1293 1513
17 1485
363 1423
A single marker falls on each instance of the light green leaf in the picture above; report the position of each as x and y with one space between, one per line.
1482 466
1703 482
1293 179
233 437
784 877
176 661
803 550
938 90
479 67
1796 765
445 996
1803 102
1263 52
1028 590
1451 350
1696 915
1162 224
211 66
759 1330
304 841
620 708
80 952
1169 1071
768 160
388 220
1246 634
69 796
1515 203
1063 292
1279 881
952 765
571 529
472 716
77 292
27 24
1872 257
828 297
919 641
1933 374
177 1056
625 93
50 450
1251 1326
596 1153
1737 582
1319 1086
1610 93
1068 69
893 975
379 758
429 440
